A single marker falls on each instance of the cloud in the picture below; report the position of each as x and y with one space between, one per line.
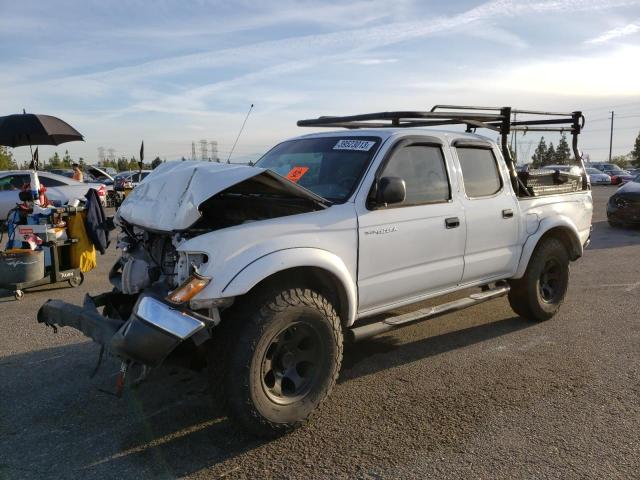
601 75
305 51
618 32
371 61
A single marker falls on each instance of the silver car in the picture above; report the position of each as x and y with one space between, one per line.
598 177
59 188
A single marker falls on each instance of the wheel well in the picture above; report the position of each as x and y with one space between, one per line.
314 278
567 238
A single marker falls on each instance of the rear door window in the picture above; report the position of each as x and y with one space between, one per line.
479 172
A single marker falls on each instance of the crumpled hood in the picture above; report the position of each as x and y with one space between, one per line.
168 199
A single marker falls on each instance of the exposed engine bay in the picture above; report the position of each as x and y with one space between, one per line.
146 258
153 312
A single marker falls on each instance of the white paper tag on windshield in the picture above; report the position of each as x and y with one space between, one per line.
359 145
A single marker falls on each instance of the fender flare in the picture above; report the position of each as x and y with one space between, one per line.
565 227
280 260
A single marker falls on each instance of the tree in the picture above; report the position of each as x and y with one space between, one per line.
621 160
635 153
7 161
133 164
539 154
55 161
67 160
108 163
563 152
123 164
156 162
550 156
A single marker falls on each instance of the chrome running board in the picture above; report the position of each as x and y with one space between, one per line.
360 333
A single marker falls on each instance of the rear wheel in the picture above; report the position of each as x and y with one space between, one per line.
539 293
282 361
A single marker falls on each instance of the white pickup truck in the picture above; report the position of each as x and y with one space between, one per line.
268 269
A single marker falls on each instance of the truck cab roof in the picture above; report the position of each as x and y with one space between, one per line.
446 137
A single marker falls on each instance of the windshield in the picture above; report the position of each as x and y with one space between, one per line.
593 171
330 166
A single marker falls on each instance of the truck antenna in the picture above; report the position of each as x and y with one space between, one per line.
239 133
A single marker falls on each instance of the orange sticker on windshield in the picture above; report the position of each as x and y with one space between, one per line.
296 173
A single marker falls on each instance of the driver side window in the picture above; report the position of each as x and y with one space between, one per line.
423 169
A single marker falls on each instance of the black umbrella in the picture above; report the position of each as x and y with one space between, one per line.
33 129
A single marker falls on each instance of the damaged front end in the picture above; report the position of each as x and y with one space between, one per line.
153 330
151 312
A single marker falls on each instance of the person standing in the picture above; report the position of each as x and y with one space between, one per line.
77 173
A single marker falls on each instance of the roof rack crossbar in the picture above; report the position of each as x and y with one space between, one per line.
524 112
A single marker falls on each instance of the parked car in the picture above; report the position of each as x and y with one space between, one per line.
59 188
125 181
265 269
623 207
90 174
619 176
597 177
604 167
99 174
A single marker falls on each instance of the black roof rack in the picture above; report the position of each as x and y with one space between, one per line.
493 118
498 119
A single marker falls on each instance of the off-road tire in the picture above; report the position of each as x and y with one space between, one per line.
528 296
237 359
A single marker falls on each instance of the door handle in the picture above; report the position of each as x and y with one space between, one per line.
507 213
452 222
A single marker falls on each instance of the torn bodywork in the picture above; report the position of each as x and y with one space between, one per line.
139 322
152 331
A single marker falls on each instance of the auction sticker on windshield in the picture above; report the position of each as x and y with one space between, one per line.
296 173
359 145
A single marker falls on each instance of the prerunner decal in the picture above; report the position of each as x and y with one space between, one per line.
296 173
359 145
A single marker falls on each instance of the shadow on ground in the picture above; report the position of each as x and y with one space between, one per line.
167 427
605 236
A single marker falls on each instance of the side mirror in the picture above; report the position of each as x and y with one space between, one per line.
391 190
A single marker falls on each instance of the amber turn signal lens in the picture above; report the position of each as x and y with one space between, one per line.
185 292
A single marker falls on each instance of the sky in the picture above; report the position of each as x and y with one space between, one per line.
174 72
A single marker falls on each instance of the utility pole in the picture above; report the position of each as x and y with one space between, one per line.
611 137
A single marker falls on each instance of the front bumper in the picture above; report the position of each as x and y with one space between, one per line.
628 214
148 336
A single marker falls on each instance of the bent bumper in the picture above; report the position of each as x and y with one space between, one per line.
151 333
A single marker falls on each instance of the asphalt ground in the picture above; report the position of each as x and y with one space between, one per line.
476 394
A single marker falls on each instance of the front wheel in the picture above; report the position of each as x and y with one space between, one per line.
284 361
539 293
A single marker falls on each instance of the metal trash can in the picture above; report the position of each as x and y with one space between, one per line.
20 266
